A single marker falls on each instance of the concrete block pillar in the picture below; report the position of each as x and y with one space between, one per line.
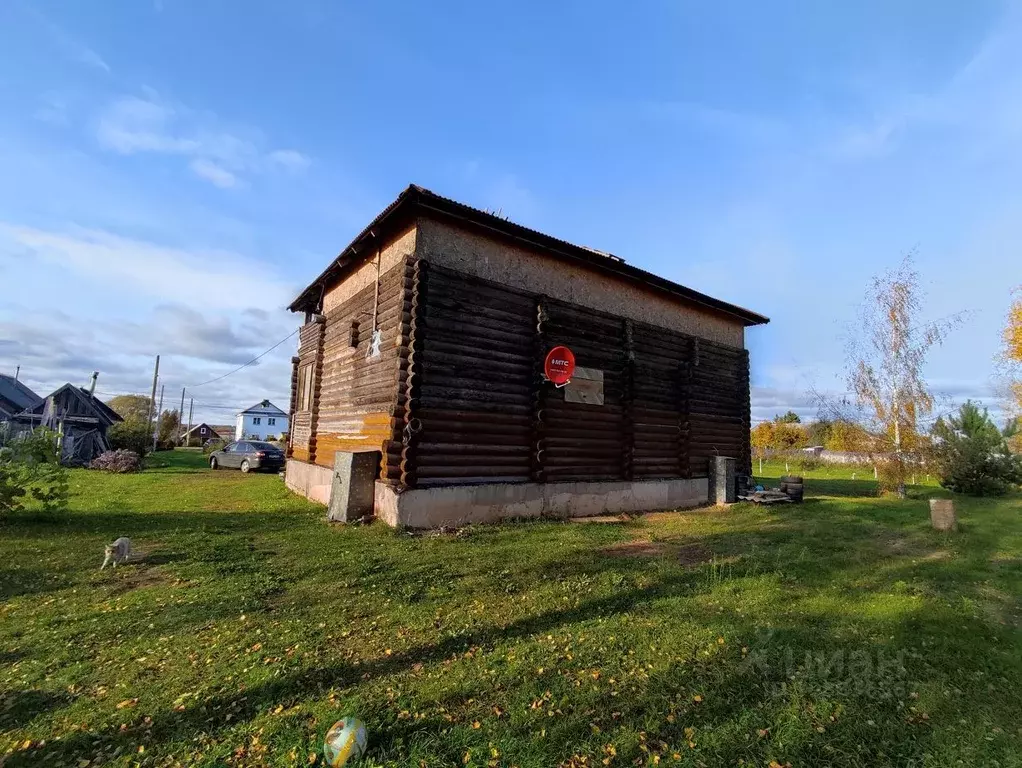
353 490
942 515
723 480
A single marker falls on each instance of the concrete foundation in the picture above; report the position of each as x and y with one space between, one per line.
309 480
463 504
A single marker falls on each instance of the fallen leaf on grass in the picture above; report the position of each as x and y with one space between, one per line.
127 703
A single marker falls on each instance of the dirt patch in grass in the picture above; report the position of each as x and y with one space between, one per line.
139 577
693 554
909 546
604 519
999 605
635 548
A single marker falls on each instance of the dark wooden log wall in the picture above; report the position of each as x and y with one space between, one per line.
478 410
473 374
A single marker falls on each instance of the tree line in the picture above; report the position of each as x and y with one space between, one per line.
889 401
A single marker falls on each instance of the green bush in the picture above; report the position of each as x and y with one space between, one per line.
971 455
213 445
30 469
135 436
808 463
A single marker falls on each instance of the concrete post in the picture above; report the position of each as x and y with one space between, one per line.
353 491
723 480
942 515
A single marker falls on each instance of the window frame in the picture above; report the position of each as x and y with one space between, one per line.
305 374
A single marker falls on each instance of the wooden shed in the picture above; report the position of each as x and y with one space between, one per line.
425 340
80 417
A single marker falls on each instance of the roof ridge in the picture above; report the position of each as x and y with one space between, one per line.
417 195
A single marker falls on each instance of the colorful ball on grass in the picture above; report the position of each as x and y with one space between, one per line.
345 742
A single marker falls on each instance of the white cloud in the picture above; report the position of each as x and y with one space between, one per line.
70 46
195 277
93 59
116 302
217 154
289 159
213 173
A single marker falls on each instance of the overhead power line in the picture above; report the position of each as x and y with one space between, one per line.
254 359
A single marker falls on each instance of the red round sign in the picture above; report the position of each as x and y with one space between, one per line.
559 365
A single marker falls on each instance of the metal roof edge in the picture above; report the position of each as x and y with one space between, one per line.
430 201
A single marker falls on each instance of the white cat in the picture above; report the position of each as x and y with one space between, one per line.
118 552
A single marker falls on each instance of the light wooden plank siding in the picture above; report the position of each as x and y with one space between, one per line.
356 397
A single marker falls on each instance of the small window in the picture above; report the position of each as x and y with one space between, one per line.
271 421
202 430
353 338
305 387
257 420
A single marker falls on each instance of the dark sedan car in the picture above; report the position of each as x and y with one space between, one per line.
248 456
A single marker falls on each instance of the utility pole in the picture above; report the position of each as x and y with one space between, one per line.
152 397
156 431
181 417
191 404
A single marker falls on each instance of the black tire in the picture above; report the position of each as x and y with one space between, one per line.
213 463
245 466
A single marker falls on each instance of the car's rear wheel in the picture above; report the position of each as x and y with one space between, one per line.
213 463
245 466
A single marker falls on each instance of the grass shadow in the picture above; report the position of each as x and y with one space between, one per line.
20 707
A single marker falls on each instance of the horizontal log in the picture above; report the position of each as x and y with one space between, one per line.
580 410
642 413
477 394
553 464
442 415
563 443
710 418
463 306
570 315
490 297
496 389
611 345
448 465
582 475
519 347
440 482
431 345
461 403
520 327
489 448
507 470
656 430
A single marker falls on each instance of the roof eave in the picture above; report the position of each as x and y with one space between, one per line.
310 299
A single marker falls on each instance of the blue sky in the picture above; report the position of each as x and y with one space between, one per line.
172 172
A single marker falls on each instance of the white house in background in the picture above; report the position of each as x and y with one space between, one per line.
260 421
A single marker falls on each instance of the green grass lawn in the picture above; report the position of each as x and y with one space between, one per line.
842 631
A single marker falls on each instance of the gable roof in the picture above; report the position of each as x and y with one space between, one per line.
103 412
264 406
416 199
15 397
213 430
